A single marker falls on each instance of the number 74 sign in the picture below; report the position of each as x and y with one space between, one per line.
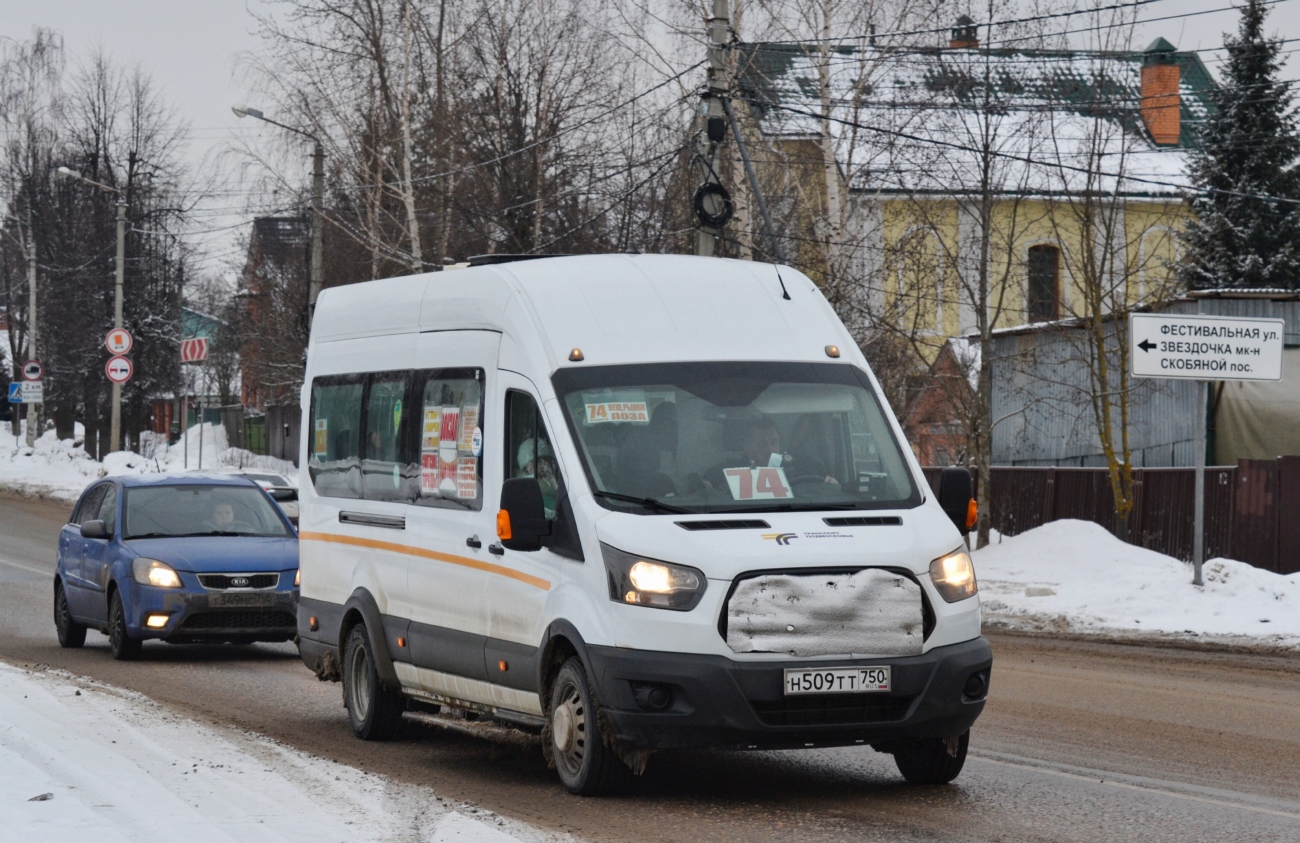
751 484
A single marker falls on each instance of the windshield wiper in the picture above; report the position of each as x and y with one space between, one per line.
649 503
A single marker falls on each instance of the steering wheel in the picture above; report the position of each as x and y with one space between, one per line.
809 478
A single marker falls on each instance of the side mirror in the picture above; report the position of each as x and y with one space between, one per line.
522 523
283 494
957 497
94 530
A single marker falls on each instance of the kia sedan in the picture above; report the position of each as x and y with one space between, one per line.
186 558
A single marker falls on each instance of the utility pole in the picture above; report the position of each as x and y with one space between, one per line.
317 270
31 316
719 30
115 418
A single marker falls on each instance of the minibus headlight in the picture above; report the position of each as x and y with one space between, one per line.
650 582
153 572
954 576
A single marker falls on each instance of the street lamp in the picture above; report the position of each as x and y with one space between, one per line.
316 271
115 426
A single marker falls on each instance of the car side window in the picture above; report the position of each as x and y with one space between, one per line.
451 438
88 509
108 509
528 448
334 455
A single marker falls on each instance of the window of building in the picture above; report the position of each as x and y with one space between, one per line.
1044 288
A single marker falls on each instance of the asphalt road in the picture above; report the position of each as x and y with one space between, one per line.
1079 742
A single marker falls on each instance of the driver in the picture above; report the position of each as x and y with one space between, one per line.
223 518
762 447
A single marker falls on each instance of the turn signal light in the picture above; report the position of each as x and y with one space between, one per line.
972 514
401 642
312 624
503 666
503 525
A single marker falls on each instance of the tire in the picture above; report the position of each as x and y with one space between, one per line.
587 767
123 646
374 711
71 633
928 761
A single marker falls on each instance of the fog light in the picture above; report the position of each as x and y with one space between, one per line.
977 685
652 696
156 621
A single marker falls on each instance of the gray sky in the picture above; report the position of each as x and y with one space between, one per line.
190 48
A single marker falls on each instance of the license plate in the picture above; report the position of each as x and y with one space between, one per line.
223 600
837 680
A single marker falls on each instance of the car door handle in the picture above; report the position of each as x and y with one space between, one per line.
473 542
496 550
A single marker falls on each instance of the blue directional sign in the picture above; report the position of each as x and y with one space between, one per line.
15 393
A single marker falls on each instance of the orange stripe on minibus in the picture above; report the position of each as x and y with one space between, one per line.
463 561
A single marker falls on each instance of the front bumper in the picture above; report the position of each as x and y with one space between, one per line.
215 616
716 701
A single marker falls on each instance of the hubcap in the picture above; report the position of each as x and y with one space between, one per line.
360 683
562 728
568 731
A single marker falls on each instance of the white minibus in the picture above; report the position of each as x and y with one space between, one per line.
622 503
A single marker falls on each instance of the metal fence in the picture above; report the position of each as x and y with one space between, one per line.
1252 510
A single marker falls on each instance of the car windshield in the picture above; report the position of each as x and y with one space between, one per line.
198 510
734 437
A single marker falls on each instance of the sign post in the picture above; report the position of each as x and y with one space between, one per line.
1204 349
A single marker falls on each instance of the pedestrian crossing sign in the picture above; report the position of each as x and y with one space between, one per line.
16 393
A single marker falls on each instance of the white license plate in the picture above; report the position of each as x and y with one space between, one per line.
837 680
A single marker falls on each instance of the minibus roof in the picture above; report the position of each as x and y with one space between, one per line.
615 308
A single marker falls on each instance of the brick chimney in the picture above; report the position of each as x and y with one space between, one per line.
965 35
1161 105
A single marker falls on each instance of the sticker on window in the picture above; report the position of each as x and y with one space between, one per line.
432 429
430 435
467 478
618 411
758 484
320 441
468 424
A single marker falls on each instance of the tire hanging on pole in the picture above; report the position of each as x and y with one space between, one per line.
713 205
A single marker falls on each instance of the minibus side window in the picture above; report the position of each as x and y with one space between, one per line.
448 447
387 472
528 448
334 446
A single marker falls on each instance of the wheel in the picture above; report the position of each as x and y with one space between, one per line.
124 647
929 761
586 765
71 633
375 711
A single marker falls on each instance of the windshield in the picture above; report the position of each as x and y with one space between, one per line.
734 437
192 510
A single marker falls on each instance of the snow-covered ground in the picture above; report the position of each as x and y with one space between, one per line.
61 469
1074 576
84 761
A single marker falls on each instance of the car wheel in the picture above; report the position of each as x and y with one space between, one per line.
586 765
71 633
375 711
124 647
929 760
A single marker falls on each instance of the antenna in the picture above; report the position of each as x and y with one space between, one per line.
784 293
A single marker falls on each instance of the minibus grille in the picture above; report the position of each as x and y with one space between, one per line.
832 710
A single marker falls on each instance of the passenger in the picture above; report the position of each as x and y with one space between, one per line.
535 459
223 519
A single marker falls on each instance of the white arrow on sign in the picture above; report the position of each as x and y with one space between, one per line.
118 341
32 370
119 369
1205 348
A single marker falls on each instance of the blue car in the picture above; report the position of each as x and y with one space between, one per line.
185 558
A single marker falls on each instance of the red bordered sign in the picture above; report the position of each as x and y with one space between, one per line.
119 369
194 350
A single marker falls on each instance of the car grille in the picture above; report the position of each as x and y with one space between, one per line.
832 710
221 582
239 620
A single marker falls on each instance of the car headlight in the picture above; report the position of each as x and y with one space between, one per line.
954 576
297 578
153 572
649 582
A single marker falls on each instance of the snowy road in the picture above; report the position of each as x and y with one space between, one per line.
1081 742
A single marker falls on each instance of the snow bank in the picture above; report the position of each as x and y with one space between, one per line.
84 761
61 469
1074 576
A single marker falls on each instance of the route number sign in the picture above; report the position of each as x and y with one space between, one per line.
118 341
32 370
119 369
194 350
1205 348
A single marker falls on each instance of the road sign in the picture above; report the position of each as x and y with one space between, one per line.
32 370
118 341
1205 348
119 369
194 350
33 392
16 392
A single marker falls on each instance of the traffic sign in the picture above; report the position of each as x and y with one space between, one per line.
1205 348
16 392
118 341
119 369
33 392
32 370
194 350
